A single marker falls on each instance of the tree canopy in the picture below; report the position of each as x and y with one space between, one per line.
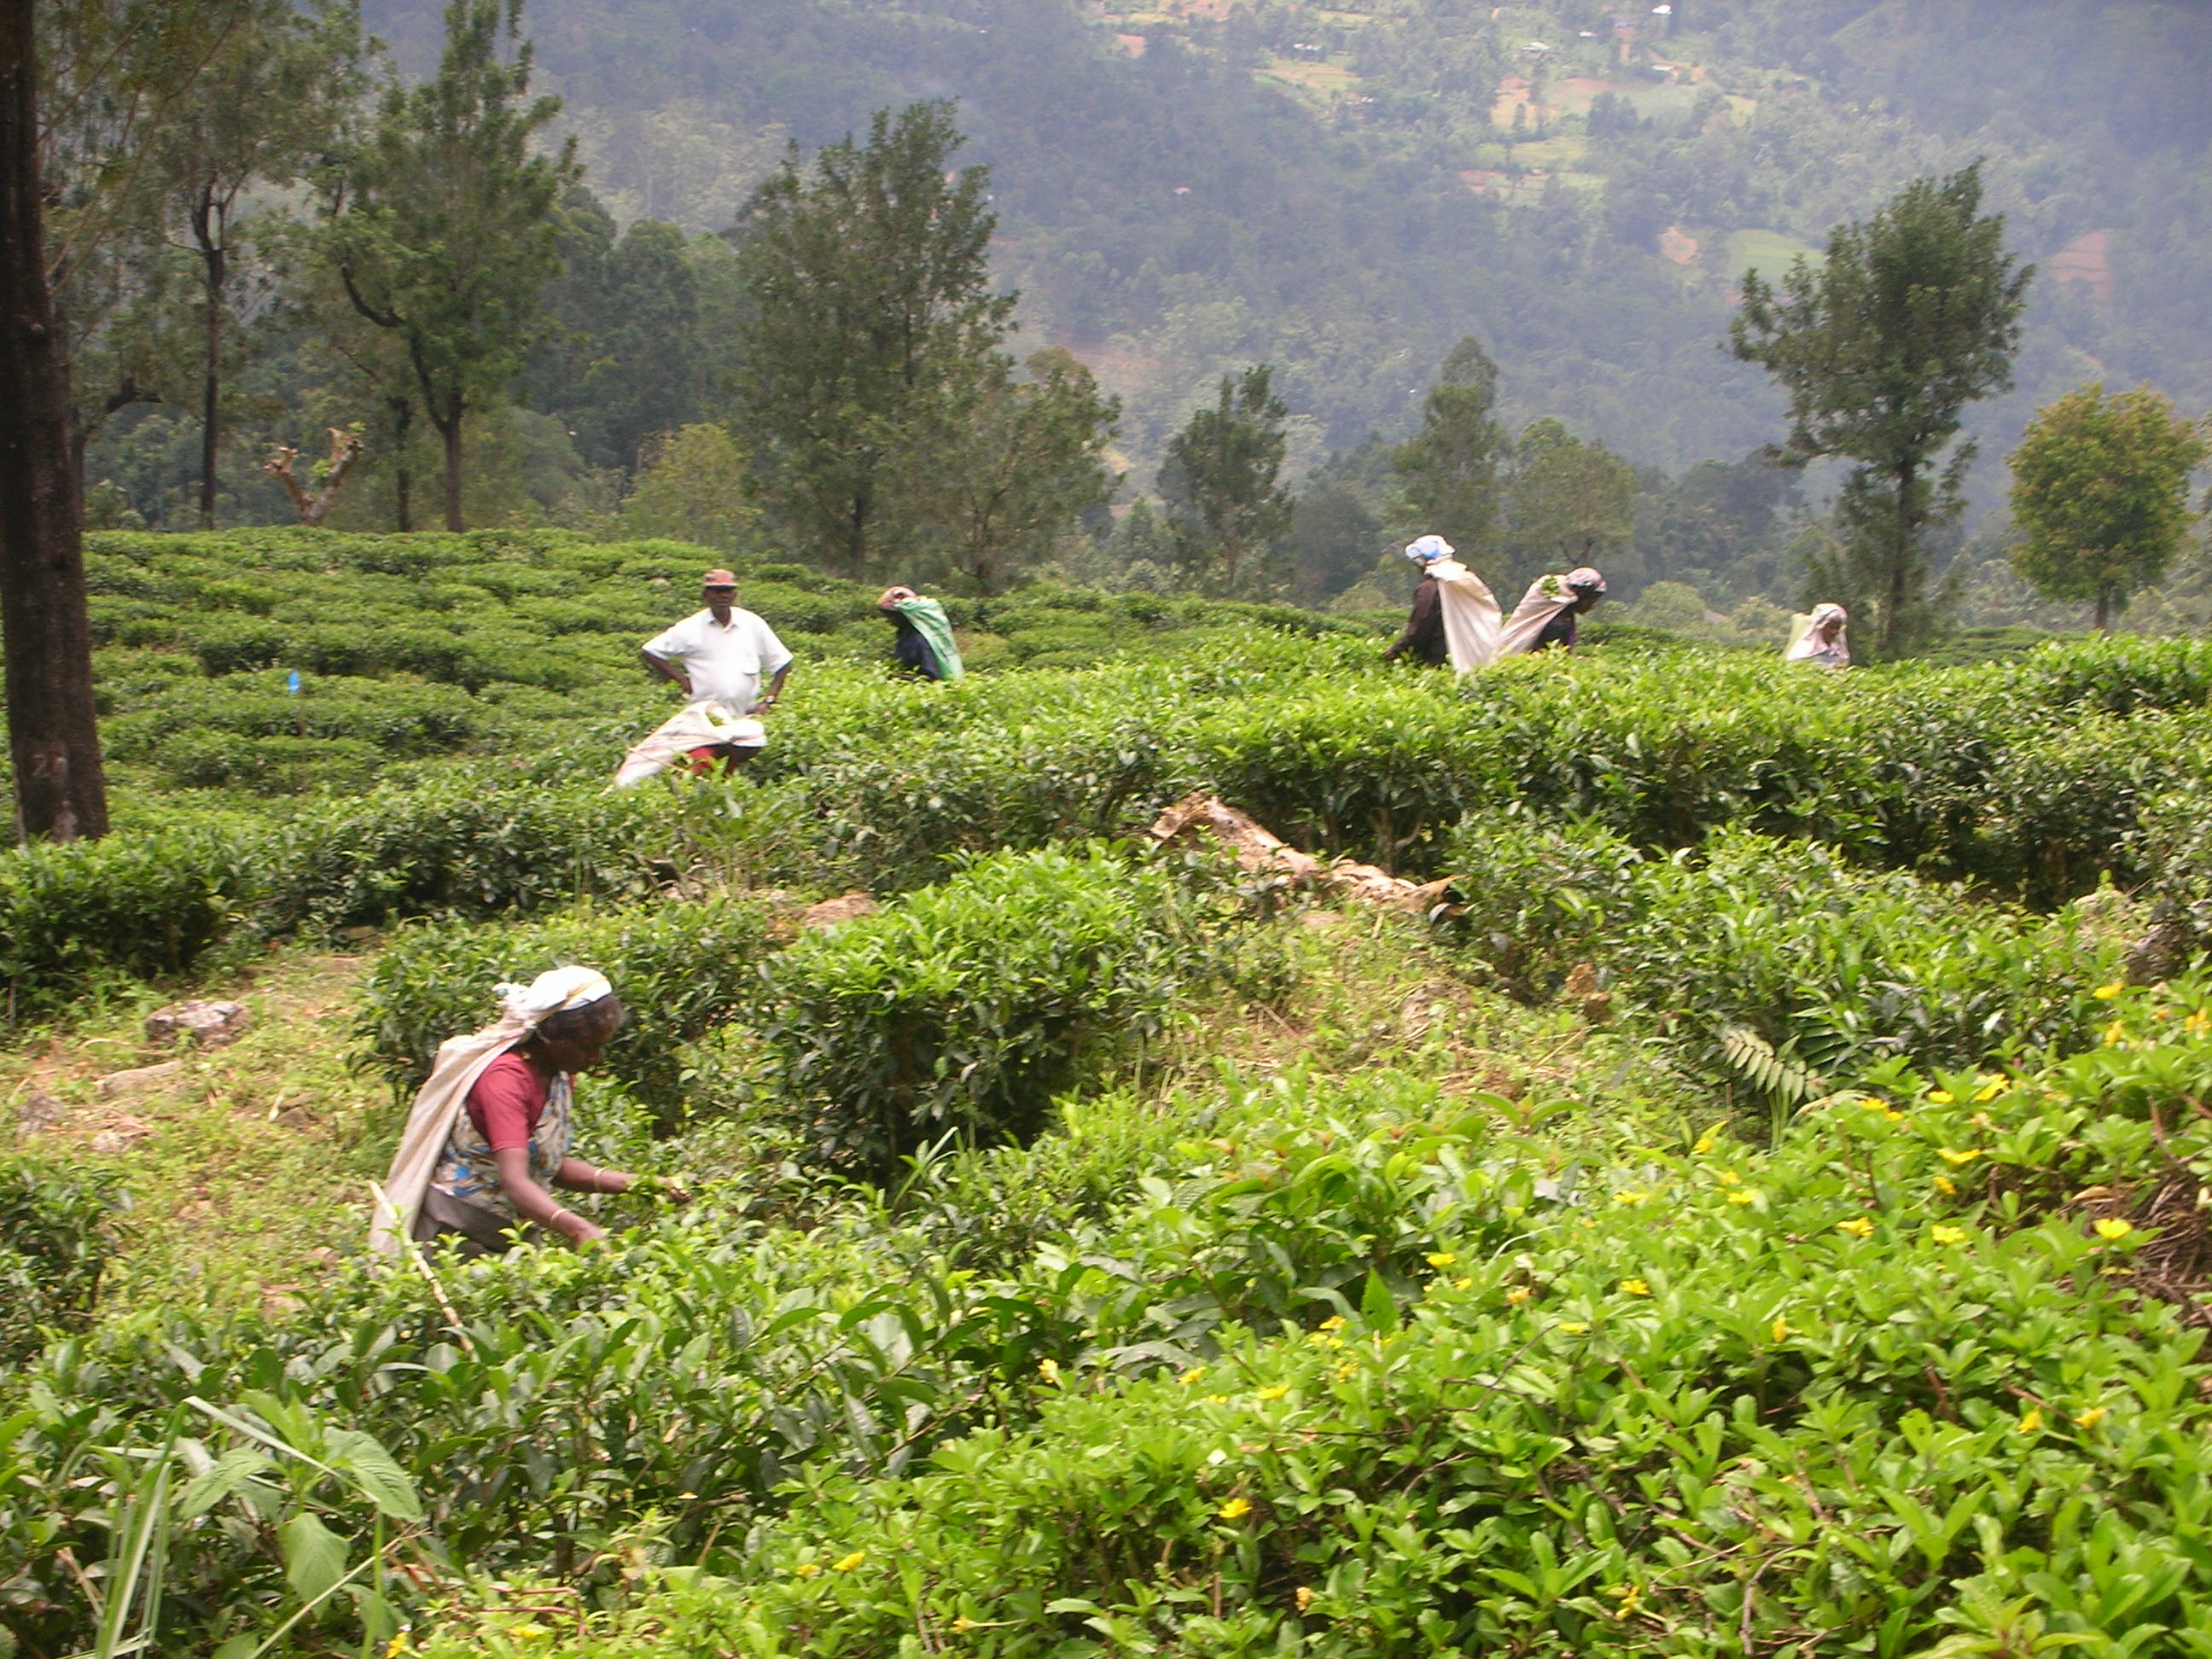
1912 315
2101 494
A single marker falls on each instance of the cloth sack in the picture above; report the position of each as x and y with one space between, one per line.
460 1062
1470 612
694 725
930 620
1546 596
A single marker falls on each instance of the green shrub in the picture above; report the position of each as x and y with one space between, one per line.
964 1007
1832 966
57 1234
144 906
1877 1356
457 849
681 967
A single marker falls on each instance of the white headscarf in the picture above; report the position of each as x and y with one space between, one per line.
1428 549
461 1061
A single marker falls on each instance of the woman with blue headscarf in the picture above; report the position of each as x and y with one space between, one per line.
1455 617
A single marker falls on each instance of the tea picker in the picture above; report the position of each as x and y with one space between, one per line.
716 657
1455 615
924 647
1545 618
1820 638
489 1133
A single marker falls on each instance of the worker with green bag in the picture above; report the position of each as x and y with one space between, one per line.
924 647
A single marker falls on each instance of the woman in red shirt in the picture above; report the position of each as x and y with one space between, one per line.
509 1147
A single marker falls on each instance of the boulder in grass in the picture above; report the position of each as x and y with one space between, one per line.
844 907
208 1024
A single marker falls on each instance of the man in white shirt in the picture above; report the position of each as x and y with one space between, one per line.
718 655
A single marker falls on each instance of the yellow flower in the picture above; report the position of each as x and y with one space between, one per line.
1634 1287
2111 1230
1216 1400
1347 1372
531 1632
2199 1023
1869 1103
395 1646
1957 1160
1574 1328
2106 993
1628 1596
2090 1418
1334 1322
1304 1597
1443 1258
1858 1227
1275 1393
1728 1178
1943 1234
1191 1376
1632 1200
1743 1198
1235 1510
849 1562
1940 1097
807 1569
2030 1422
1991 1089
1710 1140
962 1624
1779 1330
1516 1296
1048 1370
2113 1033
1894 1116
1946 1185
1462 1284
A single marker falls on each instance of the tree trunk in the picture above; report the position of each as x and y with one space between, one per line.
450 430
61 790
210 429
2103 610
403 479
856 539
1900 559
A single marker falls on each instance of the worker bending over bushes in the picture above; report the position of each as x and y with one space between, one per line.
490 1132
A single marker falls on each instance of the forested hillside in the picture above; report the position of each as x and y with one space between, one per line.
1346 191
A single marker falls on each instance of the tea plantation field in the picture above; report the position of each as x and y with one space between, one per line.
1764 1212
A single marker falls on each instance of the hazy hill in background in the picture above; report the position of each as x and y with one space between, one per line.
1345 192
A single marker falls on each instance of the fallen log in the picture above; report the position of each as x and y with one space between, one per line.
1259 851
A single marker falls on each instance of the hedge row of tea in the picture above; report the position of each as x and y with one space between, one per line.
2032 779
1360 1369
427 645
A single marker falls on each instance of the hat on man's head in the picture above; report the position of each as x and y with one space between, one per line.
1583 578
719 578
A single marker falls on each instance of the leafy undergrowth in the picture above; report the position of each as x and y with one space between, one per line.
1760 1219
1880 1388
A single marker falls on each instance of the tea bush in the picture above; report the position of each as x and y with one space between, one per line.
1872 1391
57 1234
76 917
1834 966
681 967
1404 1358
963 1008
